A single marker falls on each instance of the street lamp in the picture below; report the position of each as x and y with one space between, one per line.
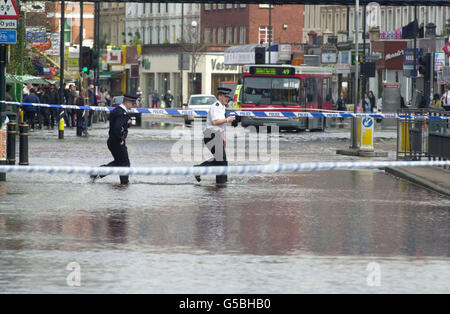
194 41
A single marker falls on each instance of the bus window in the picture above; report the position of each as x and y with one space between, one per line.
311 90
326 91
271 91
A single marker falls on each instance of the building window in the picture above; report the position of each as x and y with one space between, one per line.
242 35
68 30
229 38
174 34
220 6
243 5
220 36
235 37
159 7
264 6
265 34
229 6
150 30
166 34
158 35
214 6
207 36
151 8
167 8
207 7
214 36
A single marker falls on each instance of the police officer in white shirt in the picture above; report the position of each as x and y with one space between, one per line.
214 133
446 99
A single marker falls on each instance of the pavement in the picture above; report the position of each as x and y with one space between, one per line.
433 178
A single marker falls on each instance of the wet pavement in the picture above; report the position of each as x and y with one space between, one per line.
294 233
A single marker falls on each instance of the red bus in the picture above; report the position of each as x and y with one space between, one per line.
286 88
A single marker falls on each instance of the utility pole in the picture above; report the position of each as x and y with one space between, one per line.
270 32
355 92
61 53
81 45
182 54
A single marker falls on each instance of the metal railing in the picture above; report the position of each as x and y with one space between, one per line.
419 138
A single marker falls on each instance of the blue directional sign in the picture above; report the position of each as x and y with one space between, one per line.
8 36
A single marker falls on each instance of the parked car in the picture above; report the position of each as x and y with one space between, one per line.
198 102
117 100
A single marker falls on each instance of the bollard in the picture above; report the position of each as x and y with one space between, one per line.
61 129
23 145
11 143
221 179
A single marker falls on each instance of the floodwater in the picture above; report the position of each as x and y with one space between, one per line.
292 233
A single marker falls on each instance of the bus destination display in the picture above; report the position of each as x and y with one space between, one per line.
272 71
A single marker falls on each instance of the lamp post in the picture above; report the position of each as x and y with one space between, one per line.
194 41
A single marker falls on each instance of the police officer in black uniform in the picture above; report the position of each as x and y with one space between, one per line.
118 131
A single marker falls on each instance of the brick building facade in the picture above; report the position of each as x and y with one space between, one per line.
240 24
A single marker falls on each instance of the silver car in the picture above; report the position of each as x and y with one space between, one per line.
199 102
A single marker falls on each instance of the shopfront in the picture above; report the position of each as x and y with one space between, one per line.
390 66
159 71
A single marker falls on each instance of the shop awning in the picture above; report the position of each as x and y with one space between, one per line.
245 54
30 79
107 75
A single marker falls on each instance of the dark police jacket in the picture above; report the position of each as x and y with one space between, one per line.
118 124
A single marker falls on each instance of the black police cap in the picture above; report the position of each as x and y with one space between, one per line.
130 97
224 90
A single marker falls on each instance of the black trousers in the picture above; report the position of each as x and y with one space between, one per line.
120 155
216 145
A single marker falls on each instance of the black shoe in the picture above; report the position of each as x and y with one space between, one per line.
198 178
94 177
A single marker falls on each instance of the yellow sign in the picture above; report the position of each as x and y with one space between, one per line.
73 63
3 142
366 133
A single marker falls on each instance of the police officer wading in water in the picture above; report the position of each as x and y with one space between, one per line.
214 133
118 131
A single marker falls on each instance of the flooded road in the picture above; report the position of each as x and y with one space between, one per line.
294 233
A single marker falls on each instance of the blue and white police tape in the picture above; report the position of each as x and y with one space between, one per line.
236 170
245 113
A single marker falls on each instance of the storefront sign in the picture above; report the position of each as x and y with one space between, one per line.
409 58
396 54
343 66
114 57
134 71
329 57
217 66
284 52
439 61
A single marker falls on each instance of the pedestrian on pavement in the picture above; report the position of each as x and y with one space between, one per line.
373 101
92 103
30 111
214 133
365 104
118 131
155 99
340 104
168 99
446 99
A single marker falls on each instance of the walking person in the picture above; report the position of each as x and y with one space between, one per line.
30 111
214 133
168 99
340 104
373 101
118 131
155 99
365 104
446 99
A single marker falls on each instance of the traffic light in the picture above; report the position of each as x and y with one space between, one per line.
260 55
425 66
86 59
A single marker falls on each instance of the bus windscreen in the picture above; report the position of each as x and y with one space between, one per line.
271 91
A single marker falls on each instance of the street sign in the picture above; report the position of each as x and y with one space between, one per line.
8 10
372 58
8 24
8 36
